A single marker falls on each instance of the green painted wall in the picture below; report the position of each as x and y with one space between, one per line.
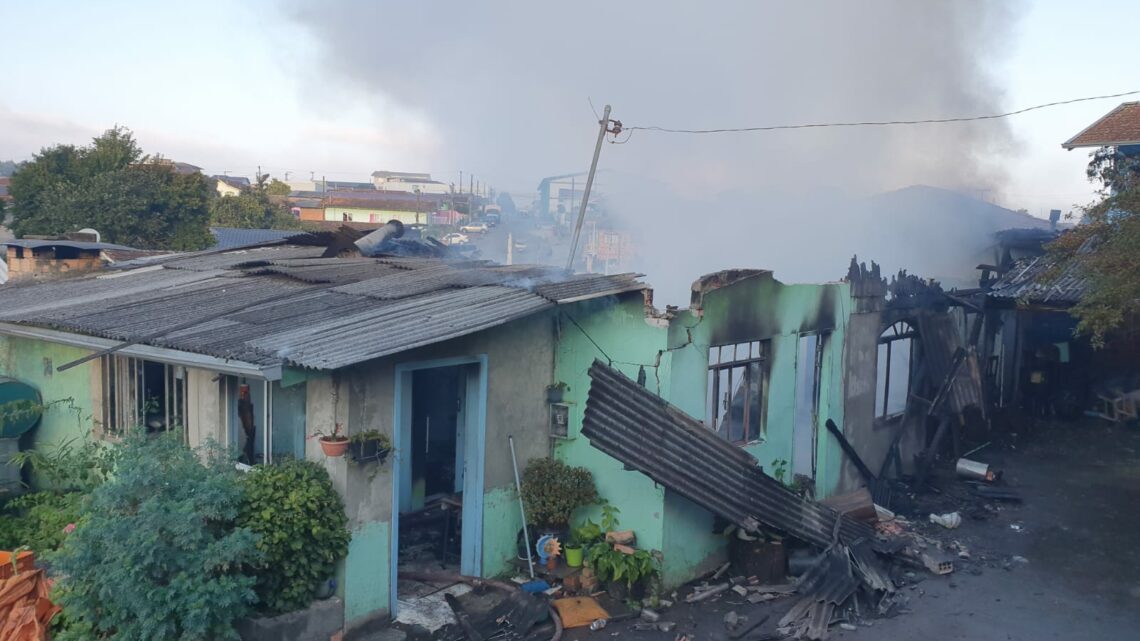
34 363
366 572
675 357
501 524
762 308
620 329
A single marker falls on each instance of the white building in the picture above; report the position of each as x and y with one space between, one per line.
408 181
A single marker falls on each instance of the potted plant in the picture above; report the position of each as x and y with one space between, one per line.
555 392
334 443
552 490
369 446
624 573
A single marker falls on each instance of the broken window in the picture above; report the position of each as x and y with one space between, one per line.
138 392
737 390
893 369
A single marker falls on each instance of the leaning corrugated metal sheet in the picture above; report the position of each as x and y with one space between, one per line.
640 429
940 339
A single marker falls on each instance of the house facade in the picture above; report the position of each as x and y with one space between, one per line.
448 361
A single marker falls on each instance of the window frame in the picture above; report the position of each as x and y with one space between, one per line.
123 386
755 362
899 330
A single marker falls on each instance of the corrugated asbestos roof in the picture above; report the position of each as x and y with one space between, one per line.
647 434
230 237
1030 281
286 304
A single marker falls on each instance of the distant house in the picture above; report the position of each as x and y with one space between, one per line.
382 206
1118 128
231 185
45 259
410 182
4 196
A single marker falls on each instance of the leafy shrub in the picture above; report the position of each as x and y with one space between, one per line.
303 531
38 520
78 464
552 490
157 554
611 565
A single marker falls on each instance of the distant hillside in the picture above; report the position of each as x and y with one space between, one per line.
7 167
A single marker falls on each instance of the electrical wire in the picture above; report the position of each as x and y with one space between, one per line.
878 123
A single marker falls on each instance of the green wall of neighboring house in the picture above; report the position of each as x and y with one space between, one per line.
674 355
69 395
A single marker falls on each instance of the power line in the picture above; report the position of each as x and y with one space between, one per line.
879 123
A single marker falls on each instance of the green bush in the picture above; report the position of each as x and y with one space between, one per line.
303 531
552 490
38 520
157 554
79 463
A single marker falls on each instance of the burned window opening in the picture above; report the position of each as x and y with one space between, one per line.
141 393
894 366
737 390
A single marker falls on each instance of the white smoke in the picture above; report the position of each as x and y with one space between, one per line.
505 87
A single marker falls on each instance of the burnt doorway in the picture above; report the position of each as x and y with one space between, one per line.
438 400
438 475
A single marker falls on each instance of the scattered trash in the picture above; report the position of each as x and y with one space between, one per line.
651 616
937 563
848 627
949 520
1016 527
749 628
1019 559
740 589
666 626
975 470
732 619
598 624
720 571
997 493
708 592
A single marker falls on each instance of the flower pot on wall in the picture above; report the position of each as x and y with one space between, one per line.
333 448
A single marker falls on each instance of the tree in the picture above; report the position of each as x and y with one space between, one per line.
256 208
1105 248
157 554
278 188
111 186
8 167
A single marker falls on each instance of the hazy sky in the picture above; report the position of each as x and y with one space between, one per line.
344 88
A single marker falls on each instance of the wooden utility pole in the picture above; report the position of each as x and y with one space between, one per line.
603 126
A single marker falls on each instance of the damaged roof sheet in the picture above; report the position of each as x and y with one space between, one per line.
647 434
1031 281
286 304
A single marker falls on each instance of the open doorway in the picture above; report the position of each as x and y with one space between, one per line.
438 488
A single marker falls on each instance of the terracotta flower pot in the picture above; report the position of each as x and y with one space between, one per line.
333 448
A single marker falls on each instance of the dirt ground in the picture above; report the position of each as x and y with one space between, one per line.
1064 564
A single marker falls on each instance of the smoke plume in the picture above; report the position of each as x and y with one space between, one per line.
505 87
